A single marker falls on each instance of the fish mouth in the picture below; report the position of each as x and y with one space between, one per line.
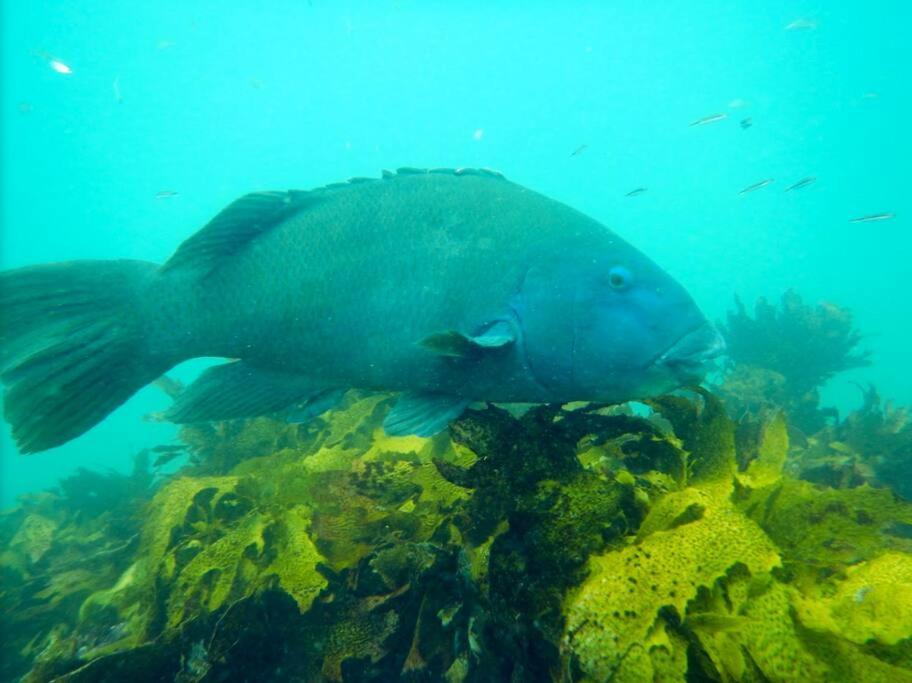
690 357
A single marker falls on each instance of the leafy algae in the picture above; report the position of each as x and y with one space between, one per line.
583 543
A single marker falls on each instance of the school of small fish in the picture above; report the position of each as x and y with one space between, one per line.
798 24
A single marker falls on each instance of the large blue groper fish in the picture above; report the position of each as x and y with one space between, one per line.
450 286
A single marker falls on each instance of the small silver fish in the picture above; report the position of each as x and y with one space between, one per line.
169 448
165 194
165 458
756 186
873 217
804 182
801 24
637 191
116 86
57 65
579 150
712 118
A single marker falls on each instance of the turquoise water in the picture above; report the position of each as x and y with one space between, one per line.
217 99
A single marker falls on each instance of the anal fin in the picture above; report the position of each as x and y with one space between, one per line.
235 390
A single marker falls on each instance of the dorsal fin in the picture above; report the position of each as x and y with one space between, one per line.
256 213
235 227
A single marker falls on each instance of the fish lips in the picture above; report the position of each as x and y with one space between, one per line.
690 358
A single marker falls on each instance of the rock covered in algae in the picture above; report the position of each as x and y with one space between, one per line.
585 543
873 444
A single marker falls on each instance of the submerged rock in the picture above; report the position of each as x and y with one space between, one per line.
581 543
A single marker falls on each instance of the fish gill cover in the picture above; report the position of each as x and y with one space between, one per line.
586 542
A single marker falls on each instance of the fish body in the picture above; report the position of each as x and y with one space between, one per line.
746 123
804 182
801 24
165 458
579 150
449 286
635 192
757 186
165 194
871 218
712 118
56 65
169 448
60 67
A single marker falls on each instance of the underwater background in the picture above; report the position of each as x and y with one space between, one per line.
212 100
127 126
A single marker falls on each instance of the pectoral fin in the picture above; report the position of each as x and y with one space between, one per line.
423 414
458 345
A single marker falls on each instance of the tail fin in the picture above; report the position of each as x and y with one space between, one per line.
71 346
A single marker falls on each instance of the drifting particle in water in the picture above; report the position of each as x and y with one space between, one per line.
756 186
638 191
59 66
164 44
801 24
579 150
165 194
737 103
804 182
25 107
116 86
746 123
712 118
256 83
478 134
870 96
873 217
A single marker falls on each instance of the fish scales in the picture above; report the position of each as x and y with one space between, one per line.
356 279
448 285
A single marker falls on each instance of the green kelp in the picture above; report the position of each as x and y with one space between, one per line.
59 548
588 543
873 444
779 358
720 580
782 355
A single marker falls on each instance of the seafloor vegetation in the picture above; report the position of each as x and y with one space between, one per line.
743 534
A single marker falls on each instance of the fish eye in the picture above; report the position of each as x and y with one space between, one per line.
619 278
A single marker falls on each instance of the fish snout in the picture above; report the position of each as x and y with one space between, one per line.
689 358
